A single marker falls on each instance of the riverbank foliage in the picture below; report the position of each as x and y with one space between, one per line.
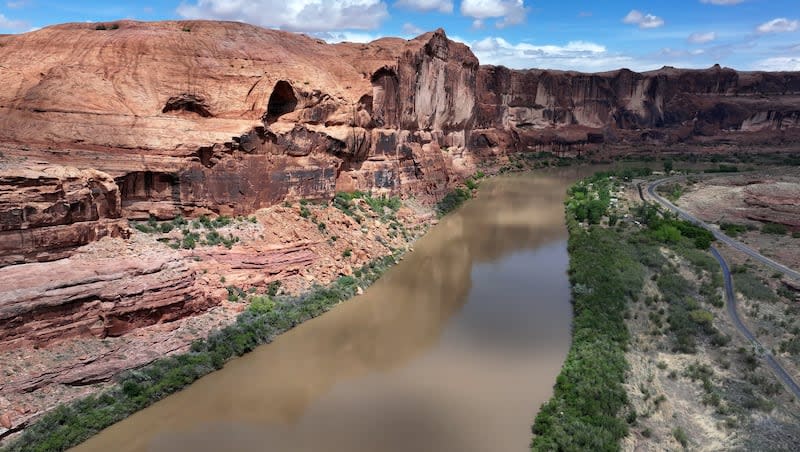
459 195
667 228
267 316
608 265
585 410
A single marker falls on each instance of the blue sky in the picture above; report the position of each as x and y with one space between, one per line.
578 35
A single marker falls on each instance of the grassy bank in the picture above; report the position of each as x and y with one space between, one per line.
266 317
459 195
584 412
609 260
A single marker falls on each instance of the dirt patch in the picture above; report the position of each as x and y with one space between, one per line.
722 396
751 201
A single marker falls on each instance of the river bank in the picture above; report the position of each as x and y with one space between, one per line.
677 374
452 337
356 235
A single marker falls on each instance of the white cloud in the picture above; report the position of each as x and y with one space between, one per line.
678 53
575 55
509 12
444 6
297 15
643 20
412 30
778 64
779 25
722 2
701 38
12 25
17 4
333 37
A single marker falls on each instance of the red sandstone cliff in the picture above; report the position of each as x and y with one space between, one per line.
666 106
193 116
197 116
160 119
98 126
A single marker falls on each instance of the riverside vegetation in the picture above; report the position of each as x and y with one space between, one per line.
267 315
619 256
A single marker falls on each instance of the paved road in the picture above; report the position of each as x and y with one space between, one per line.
719 235
733 312
730 294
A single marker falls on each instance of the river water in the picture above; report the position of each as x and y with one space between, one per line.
454 349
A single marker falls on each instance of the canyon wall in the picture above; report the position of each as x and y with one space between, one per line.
536 108
214 117
132 120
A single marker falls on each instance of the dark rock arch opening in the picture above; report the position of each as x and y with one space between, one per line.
281 102
191 103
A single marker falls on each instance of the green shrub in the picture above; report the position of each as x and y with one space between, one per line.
733 230
723 169
452 201
586 408
667 233
273 287
142 227
681 436
261 305
752 287
471 183
189 241
70 424
774 228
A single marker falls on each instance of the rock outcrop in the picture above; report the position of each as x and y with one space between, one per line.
773 202
229 118
46 211
94 297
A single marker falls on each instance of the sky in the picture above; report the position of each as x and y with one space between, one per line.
586 35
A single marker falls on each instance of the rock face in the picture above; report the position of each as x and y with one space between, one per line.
98 297
538 107
774 202
46 211
230 118
196 117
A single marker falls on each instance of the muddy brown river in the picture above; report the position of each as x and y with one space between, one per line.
454 349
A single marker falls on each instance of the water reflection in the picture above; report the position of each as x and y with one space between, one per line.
453 349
